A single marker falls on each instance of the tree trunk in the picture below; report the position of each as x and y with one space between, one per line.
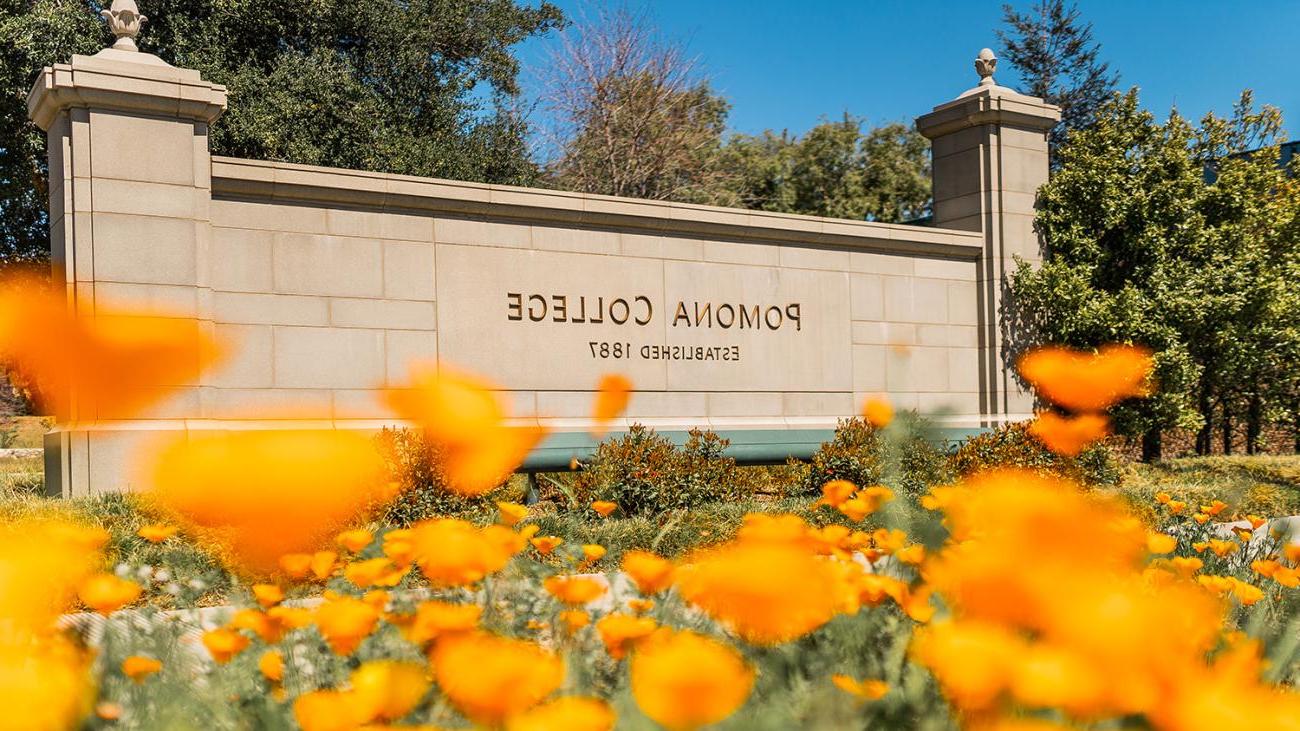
1227 429
1206 433
1254 423
1151 446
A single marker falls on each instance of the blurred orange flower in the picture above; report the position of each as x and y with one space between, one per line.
268 493
565 714
463 416
327 710
546 544
651 574
574 620
1069 435
592 552
612 396
322 564
373 572
106 593
42 563
355 540
604 507
295 565
490 678
44 684
618 630
835 492
452 552
156 532
434 619
869 690
224 643
268 595
768 591
271 665
878 412
398 547
1082 381
684 681
509 514
139 667
344 622
574 590
387 689
110 365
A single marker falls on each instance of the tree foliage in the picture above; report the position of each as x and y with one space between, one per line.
634 117
1058 60
1182 238
835 170
386 85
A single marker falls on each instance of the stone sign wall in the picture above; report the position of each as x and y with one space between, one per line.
330 283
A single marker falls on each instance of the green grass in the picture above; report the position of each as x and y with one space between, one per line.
1261 485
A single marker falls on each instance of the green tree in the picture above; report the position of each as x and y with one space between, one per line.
388 85
1179 238
1053 50
834 170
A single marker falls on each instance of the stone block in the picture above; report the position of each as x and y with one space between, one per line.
383 314
867 297
144 249
240 260
930 300
964 369
900 300
957 269
145 199
918 369
836 405
269 216
329 357
328 265
963 303
359 404
266 403
870 263
734 252
249 359
662 247
404 348
683 404
582 240
409 270
269 309
482 233
161 299
745 404
809 257
138 148
870 363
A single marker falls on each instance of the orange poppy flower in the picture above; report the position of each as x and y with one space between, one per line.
612 396
344 622
271 665
569 713
387 689
453 552
592 552
1069 436
139 667
433 619
618 631
110 365
509 514
268 595
574 619
835 492
651 574
269 493
295 565
355 540
574 590
224 643
463 416
878 412
156 532
323 563
869 690
604 507
546 544
490 678
683 680
106 593
1082 381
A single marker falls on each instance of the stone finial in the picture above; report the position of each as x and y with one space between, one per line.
985 64
124 19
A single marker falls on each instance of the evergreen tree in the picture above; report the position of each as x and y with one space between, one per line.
1053 50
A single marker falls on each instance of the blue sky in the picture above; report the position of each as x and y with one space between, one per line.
784 65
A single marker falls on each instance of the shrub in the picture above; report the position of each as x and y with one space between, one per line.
413 461
645 472
854 454
1011 445
916 462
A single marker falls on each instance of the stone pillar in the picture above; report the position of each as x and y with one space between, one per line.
990 157
130 187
